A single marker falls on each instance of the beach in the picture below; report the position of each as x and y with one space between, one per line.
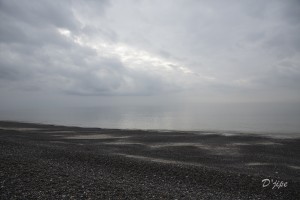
40 161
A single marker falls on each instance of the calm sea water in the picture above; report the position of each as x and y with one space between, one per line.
274 118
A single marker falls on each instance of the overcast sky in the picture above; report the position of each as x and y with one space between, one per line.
231 50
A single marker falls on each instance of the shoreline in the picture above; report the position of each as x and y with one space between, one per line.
270 134
47 161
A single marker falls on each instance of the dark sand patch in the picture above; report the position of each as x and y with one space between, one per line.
95 137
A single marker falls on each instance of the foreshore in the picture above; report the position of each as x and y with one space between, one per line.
39 161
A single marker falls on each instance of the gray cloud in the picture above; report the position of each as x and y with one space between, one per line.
40 13
97 48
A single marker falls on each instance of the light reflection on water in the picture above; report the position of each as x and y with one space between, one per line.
235 117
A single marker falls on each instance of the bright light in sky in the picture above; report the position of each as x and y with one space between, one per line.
131 57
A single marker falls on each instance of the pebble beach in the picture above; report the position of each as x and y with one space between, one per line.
40 161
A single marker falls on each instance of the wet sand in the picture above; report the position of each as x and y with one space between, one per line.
58 162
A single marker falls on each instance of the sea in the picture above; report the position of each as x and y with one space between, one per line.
277 118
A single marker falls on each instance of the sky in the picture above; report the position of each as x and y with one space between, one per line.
96 52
